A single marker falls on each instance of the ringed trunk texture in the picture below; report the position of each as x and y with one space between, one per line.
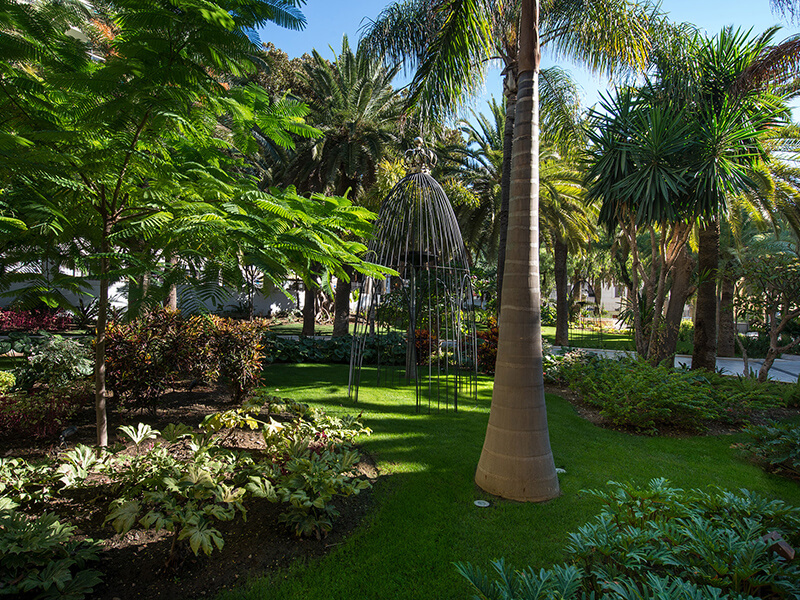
704 355
562 293
341 305
726 335
505 184
516 461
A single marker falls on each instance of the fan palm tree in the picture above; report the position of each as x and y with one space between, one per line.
356 109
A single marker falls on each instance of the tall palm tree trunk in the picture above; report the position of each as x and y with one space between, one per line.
516 461
562 292
704 354
510 86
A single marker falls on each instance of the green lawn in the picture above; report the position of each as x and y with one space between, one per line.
424 518
295 327
587 338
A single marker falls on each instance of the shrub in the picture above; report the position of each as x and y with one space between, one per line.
633 393
56 362
392 348
7 381
661 542
39 557
776 445
142 357
147 355
237 345
41 413
34 320
487 348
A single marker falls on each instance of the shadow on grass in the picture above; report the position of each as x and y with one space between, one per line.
425 518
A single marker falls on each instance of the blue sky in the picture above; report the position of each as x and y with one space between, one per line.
328 20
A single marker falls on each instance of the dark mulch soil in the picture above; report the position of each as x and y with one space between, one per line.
133 565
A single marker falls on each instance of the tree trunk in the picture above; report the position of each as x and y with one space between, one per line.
726 335
679 294
516 461
704 355
510 85
100 341
562 293
341 305
172 296
309 310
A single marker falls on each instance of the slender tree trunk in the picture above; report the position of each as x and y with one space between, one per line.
704 355
516 461
562 293
510 86
309 309
680 292
172 295
726 336
341 305
100 340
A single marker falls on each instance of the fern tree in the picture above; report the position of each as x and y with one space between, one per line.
94 140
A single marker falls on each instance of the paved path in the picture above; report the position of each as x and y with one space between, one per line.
783 369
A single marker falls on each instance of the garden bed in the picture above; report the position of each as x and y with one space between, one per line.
133 564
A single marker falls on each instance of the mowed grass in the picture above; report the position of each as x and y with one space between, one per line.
424 519
588 338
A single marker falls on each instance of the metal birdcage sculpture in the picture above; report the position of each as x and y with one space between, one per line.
419 325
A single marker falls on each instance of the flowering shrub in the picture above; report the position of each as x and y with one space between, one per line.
34 320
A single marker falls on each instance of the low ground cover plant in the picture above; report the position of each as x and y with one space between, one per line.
40 558
664 542
186 481
632 393
776 446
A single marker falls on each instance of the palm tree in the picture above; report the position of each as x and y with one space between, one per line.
356 109
450 41
564 218
608 37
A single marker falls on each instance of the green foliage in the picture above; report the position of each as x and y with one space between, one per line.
665 543
7 381
633 393
24 482
57 362
39 559
777 445
391 346
548 314
237 347
40 413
